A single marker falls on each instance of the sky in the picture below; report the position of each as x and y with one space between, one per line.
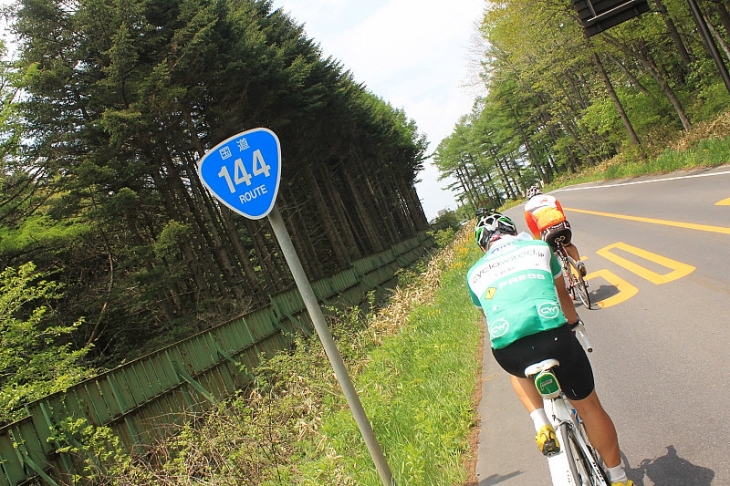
417 55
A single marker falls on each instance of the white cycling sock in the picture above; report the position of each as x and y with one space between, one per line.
539 417
617 474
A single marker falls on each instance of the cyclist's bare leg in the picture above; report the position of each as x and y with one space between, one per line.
527 393
600 428
572 250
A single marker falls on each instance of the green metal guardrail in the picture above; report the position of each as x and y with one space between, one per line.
141 400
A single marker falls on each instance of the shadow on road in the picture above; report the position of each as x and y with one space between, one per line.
602 293
495 479
667 470
670 470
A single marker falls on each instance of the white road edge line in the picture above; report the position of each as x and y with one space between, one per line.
642 182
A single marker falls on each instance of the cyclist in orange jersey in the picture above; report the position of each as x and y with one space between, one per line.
545 217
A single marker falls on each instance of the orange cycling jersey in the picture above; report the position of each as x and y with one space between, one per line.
542 212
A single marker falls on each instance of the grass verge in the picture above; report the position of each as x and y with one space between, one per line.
416 387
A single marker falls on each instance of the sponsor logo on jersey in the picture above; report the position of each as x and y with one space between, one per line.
521 278
548 310
527 259
498 327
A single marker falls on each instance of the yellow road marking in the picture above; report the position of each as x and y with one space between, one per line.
678 224
679 269
625 289
724 202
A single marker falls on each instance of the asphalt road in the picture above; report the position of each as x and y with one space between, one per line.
657 250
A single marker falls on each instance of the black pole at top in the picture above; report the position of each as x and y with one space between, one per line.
709 41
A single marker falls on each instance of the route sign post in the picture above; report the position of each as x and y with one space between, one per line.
243 173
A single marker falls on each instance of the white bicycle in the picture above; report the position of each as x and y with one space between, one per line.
577 463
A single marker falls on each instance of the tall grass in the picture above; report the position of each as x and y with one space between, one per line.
417 388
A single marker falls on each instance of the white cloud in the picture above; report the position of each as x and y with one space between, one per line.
412 53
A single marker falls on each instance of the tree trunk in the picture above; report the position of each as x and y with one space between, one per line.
718 37
371 237
224 269
252 284
415 209
270 270
648 62
674 34
329 179
645 60
330 228
616 102
293 216
189 243
723 14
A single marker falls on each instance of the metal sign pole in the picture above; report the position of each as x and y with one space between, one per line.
312 304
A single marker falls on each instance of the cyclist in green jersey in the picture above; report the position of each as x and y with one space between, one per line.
519 286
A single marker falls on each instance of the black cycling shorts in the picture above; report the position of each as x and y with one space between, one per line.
574 374
560 230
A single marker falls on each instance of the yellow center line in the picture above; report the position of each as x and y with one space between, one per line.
678 224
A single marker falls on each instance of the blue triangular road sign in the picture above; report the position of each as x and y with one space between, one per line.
243 172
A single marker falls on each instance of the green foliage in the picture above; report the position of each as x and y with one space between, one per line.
102 188
447 219
169 241
601 118
36 356
443 237
646 112
101 453
711 100
38 231
550 110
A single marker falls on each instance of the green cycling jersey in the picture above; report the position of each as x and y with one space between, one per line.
514 284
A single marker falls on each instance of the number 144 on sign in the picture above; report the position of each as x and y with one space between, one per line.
243 172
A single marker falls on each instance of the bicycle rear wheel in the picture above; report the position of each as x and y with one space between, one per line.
579 285
584 465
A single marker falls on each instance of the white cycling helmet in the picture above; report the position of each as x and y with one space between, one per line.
490 227
533 191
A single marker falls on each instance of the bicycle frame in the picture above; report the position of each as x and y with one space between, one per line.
574 283
576 464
